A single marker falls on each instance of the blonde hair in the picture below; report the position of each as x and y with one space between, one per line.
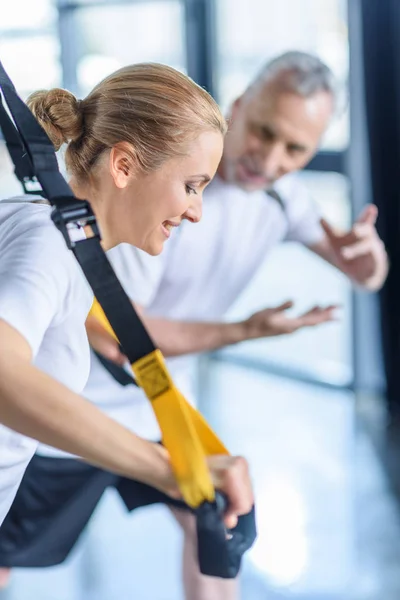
153 107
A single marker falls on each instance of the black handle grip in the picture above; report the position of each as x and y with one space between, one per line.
221 502
220 555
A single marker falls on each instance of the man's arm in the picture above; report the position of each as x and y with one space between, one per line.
175 338
359 253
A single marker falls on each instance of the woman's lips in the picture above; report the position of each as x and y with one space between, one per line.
167 227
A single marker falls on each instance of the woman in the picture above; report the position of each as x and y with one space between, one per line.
141 147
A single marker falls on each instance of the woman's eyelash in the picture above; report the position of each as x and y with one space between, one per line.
190 189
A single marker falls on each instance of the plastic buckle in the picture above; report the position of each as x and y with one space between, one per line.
74 215
31 186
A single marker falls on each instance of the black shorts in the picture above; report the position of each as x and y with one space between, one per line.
53 505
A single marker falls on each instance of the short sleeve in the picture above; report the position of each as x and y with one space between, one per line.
301 211
35 279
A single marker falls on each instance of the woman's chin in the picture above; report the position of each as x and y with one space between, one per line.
154 248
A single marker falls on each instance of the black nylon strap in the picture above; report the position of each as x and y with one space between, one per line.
36 143
116 371
22 165
128 327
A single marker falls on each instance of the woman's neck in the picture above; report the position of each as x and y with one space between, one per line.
86 191
81 190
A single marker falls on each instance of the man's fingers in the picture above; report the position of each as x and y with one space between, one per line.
356 250
270 312
363 227
284 306
317 315
330 232
368 215
361 231
317 310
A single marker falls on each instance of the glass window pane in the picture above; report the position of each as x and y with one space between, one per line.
27 14
292 272
147 32
104 2
32 63
258 30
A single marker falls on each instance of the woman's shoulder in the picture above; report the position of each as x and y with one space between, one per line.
24 221
29 240
22 215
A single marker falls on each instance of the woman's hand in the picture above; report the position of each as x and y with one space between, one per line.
231 476
104 343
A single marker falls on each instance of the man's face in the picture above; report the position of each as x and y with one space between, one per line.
272 133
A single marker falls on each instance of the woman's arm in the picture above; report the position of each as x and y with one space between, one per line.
39 407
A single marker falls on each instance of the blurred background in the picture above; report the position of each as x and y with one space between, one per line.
315 412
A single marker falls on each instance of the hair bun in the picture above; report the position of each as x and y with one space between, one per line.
59 113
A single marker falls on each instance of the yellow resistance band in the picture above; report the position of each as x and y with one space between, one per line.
185 433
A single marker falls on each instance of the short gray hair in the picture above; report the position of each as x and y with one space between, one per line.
299 72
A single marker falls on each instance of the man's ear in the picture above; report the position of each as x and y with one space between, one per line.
122 163
235 107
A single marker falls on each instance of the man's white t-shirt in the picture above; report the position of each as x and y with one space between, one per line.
44 296
199 275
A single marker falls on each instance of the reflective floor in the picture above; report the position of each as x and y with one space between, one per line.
328 525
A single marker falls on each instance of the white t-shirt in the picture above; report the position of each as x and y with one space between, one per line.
199 275
44 296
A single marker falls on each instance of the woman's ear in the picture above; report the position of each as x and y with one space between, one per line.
122 164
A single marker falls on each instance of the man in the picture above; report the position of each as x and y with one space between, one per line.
275 129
